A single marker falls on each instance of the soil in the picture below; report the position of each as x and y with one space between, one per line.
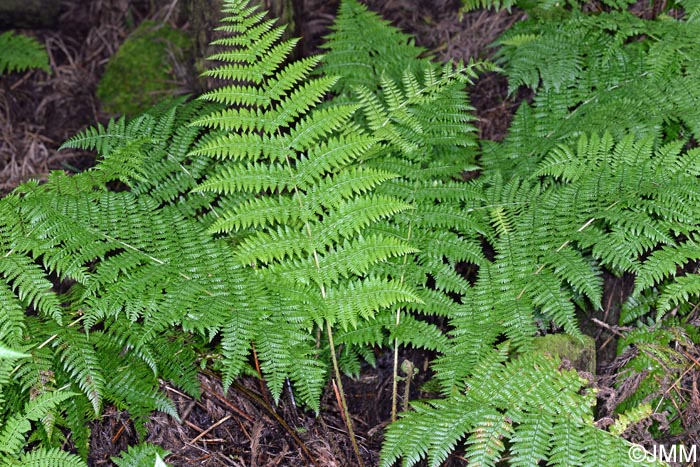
242 427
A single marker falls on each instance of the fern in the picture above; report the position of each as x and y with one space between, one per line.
143 455
526 404
419 114
20 53
292 167
387 52
531 278
594 73
302 214
93 239
13 435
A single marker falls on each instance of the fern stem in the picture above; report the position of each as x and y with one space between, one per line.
343 401
261 379
334 357
395 375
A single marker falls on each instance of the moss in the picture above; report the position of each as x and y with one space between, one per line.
581 354
141 73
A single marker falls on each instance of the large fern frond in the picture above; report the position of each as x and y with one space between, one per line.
294 167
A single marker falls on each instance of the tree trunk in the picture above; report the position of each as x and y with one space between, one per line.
28 14
284 11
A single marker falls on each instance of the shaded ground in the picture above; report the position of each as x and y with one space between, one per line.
241 428
39 111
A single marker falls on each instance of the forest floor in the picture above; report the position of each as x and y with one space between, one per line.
38 111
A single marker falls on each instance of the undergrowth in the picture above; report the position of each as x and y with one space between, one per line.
307 212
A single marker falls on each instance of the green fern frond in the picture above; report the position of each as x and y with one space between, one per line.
295 167
80 361
78 415
630 417
141 455
361 299
350 258
692 10
11 316
588 69
103 139
29 283
507 409
16 427
679 291
20 53
532 439
665 262
51 458
385 50
134 388
469 5
177 363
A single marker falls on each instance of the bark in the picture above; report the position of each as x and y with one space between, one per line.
28 14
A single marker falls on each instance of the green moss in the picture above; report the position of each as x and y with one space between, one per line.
141 73
580 354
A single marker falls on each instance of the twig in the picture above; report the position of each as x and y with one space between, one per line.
228 404
340 395
614 329
202 434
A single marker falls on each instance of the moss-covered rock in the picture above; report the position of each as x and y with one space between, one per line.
141 73
581 354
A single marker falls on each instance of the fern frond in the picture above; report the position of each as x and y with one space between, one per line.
682 289
386 50
11 316
141 455
80 361
350 258
304 206
16 427
20 53
103 139
51 458
507 408
665 262
599 76
361 299
29 283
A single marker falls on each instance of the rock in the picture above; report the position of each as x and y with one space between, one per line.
143 71
581 354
